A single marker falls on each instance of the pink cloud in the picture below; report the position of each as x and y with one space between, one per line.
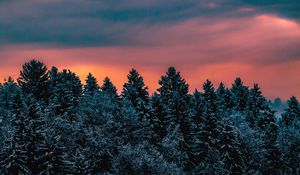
263 49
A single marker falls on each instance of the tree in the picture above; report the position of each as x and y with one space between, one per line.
91 86
66 90
240 94
210 98
224 99
135 90
34 79
231 154
177 108
292 113
257 108
109 88
8 93
174 93
13 154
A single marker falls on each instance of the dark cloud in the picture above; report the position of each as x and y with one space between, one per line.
79 23
286 8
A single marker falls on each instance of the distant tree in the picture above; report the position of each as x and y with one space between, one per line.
292 113
109 88
224 99
91 86
34 79
257 108
210 98
240 94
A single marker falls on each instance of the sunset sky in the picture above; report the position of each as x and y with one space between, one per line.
219 40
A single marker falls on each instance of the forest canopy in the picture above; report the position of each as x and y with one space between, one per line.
52 123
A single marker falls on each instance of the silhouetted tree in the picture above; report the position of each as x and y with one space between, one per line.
34 79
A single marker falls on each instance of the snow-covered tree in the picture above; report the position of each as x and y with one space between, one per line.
135 90
292 113
91 85
66 90
109 88
34 79
224 99
240 94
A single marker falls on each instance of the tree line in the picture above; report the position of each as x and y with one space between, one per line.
50 123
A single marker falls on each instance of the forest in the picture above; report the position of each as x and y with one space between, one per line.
51 123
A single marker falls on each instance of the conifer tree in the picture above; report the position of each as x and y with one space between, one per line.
13 154
224 99
109 88
66 90
34 79
257 107
91 86
230 151
136 93
174 93
292 113
240 94
210 98
135 90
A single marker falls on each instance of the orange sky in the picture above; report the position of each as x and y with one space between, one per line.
260 49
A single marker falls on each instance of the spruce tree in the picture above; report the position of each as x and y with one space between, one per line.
109 88
34 79
174 94
257 107
91 86
240 94
210 98
230 151
13 154
224 99
66 90
136 93
292 113
135 90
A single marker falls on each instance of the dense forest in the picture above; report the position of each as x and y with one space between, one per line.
51 123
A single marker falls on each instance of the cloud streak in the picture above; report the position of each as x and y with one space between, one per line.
216 39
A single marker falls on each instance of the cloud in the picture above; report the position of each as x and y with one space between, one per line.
65 23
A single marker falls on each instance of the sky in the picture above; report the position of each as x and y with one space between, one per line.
219 40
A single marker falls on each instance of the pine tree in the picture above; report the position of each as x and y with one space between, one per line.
174 93
240 94
13 154
257 107
292 113
231 154
135 90
66 90
136 93
109 88
224 99
273 163
34 79
91 86
210 98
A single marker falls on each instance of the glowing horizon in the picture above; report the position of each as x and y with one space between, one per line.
217 40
